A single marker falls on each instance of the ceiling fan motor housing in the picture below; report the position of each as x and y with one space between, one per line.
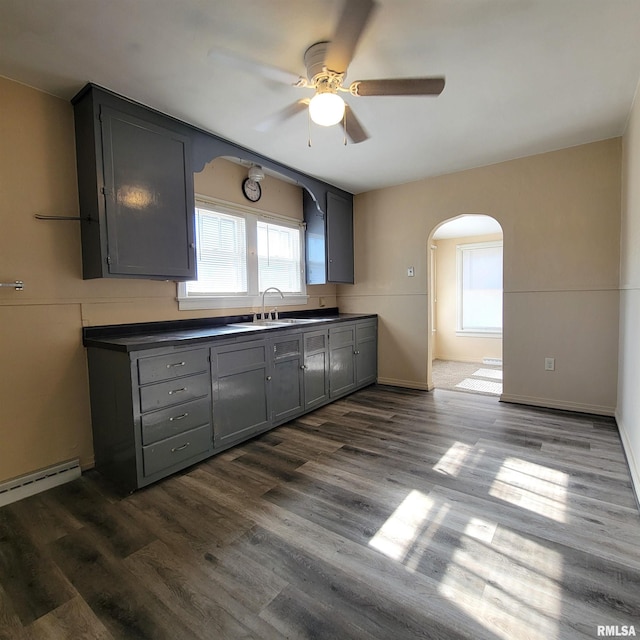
314 58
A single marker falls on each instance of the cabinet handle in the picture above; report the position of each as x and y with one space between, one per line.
177 391
268 378
303 366
184 415
184 446
176 364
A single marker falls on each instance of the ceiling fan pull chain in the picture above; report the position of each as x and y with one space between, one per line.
344 127
309 127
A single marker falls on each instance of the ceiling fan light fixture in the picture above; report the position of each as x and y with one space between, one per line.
326 109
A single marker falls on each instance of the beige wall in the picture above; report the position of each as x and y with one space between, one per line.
560 215
44 398
628 410
446 343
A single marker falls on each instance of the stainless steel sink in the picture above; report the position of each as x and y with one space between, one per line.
280 322
293 320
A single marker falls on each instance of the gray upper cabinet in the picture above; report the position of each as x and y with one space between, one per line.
136 190
329 239
339 239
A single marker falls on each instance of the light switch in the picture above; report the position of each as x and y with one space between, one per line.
411 272
549 364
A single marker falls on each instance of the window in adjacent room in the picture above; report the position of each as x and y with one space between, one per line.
479 279
240 253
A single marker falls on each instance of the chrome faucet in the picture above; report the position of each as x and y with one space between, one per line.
265 292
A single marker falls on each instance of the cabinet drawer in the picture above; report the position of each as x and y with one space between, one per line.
172 365
165 423
341 336
241 357
166 394
366 331
172 451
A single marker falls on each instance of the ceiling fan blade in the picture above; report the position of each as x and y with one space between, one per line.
353 20
398 87
281 116
352 126
269 72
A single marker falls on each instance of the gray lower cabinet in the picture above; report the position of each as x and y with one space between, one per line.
353 356
285 377
159 410
150 411
241 403
316 368
342 364
366 352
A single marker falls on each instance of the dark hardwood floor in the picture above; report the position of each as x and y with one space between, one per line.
389 514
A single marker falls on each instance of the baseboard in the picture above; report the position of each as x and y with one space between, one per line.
38 481
407 384
477 361
634 469
559 404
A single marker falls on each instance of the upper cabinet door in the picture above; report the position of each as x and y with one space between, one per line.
329 239
136 190
147 198
339 239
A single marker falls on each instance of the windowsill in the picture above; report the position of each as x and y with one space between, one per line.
479 334
252 303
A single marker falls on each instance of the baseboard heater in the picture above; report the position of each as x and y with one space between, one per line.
38 481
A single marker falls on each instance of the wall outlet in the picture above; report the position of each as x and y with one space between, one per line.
411 272
549 364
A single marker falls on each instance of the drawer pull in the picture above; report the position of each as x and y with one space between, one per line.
184 415
176 364
177 391
184 446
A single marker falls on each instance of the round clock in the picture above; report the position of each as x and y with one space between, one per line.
251 190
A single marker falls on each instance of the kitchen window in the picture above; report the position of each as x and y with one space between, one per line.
240 253
479 279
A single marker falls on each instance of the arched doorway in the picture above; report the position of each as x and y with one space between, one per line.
465 303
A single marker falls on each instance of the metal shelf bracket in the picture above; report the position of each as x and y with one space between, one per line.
18 285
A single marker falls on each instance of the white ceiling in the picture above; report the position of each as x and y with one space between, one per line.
522 76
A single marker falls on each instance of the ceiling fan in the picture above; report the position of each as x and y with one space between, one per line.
326 64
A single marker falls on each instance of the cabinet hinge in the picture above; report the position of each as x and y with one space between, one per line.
109 260
106 191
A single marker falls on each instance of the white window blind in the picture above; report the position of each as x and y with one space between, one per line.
240 253
278 257
480 287
222 254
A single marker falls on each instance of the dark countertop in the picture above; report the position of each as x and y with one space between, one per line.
150 335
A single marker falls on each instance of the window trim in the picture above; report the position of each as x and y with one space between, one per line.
475 332
252 300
